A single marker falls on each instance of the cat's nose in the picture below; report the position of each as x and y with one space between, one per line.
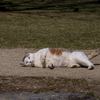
30 61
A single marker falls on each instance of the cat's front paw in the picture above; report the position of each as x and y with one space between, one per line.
51 66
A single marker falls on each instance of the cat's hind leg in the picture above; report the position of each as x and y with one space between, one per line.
87 63
81 59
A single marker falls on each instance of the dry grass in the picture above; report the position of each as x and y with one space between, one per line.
47 28
53 23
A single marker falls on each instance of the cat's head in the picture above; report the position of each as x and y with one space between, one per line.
27 60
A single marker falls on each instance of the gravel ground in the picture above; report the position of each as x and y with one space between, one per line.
10 59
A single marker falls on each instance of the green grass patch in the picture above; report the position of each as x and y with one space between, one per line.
65 24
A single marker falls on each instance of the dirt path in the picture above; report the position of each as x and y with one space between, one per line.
9 65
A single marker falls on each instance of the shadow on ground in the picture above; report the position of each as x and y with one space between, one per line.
61 5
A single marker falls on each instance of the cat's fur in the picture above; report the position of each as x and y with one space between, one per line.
58 57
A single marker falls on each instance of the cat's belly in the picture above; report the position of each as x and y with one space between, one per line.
61 63
58 61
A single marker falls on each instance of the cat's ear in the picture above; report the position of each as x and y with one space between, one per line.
26 53
22 63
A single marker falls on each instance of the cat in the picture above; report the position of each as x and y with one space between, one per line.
58 57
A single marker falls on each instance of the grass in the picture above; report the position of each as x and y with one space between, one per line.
50 28
55 26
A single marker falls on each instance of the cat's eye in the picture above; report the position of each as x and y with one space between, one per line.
26 62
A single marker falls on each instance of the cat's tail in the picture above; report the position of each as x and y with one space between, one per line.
94 54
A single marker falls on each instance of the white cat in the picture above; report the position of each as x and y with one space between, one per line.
58 57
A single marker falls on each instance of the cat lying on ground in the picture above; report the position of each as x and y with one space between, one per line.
58 57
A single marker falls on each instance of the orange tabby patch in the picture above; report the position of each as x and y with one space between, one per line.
58 51
95 53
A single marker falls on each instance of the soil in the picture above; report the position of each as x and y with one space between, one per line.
16 79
